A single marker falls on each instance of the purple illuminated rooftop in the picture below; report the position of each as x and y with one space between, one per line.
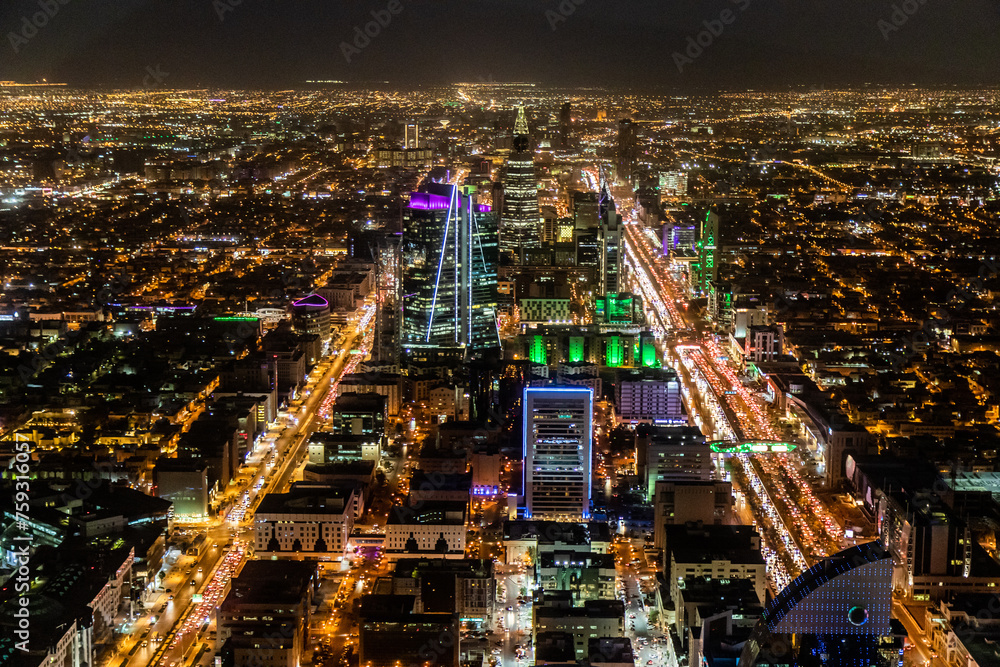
428 201
311 301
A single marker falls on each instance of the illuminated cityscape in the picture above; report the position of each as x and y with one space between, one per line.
429 357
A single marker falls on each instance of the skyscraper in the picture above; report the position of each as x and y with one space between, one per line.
449 255
558 436
412 137
565 126
627 150
519 220
708 250
612 249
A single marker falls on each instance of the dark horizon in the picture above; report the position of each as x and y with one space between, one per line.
761 44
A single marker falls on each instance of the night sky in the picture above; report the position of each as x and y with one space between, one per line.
272 44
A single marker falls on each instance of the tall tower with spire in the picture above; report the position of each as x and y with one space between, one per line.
519 219
521 124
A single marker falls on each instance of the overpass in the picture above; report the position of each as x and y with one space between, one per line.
751 447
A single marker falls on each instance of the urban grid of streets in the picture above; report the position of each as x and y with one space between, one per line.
772 491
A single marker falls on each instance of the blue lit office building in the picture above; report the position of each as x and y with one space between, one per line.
558 437
449 274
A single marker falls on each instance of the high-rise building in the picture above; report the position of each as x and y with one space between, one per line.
558 434
449 256
838 612
612 250
673 183
585 208
412 136
519 220
566 125
708 250
311 315
627 150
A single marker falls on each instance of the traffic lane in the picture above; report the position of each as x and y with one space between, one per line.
178 582
192 628
289 446
900 612
516 622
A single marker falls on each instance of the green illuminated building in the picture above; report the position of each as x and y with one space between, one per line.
538 352
615 355
624 308
708 250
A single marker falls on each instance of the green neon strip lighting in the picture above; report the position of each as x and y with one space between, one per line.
751 447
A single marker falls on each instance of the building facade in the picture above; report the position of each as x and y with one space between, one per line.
558 436
449 271
310 521
520 219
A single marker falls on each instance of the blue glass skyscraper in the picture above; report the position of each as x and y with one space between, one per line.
449 274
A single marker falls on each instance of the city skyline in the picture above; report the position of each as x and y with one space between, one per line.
488 374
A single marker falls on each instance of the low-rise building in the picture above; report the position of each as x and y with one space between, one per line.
714 552
594 620
651 396
310 521
610 652
264 618
389 385
678 503
465 587
526 540
392 634
586 576
672 453
434 529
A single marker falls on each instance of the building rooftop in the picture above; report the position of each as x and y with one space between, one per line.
610 649
712 596
438 512
696 543
471 567
272 582
590 609
307 499
553 647
551 532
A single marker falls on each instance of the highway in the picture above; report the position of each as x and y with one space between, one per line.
796 528
773 490
179 626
